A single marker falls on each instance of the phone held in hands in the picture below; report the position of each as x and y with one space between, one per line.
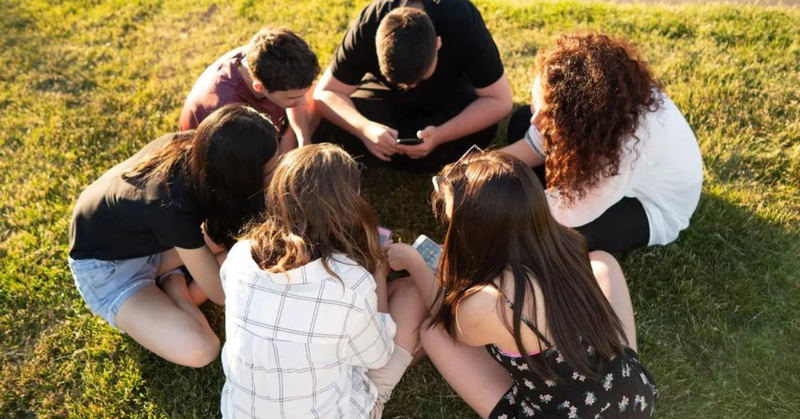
409 141
431 251
384 234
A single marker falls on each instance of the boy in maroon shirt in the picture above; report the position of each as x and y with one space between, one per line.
272 74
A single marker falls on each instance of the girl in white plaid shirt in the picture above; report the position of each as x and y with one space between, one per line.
308 325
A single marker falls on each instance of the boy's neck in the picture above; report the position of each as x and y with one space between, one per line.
241 67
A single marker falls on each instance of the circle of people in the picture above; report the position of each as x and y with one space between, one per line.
523 310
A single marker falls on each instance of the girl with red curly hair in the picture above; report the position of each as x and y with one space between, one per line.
620 163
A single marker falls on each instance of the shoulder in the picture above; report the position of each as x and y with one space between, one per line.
240 251
217 81
454 14
477 317
666 119
352 275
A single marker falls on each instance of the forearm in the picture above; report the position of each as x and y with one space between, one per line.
383 295
482 113
299 133
425 281
341 111
524 152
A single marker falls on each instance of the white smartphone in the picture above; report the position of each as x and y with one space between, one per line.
431 252
384 234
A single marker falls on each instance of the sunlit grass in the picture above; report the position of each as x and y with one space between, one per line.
83 84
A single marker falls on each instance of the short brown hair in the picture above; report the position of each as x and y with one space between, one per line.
406 45
281 60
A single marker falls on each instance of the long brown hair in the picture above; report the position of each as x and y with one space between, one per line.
315 210
596 91
222 163
501 221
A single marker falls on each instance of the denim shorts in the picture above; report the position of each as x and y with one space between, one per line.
106 284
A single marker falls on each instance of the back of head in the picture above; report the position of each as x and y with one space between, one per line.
500 220
228 153
596 91
406 46
315 210
281 60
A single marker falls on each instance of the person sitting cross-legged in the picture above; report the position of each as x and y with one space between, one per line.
415 71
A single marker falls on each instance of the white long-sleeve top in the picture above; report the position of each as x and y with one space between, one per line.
663 170
299 344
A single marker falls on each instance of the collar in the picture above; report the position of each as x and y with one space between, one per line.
313 271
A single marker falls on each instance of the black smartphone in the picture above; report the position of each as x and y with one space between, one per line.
409 141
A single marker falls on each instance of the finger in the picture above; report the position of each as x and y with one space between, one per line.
385 149
421 134
393 132
389 142
382 156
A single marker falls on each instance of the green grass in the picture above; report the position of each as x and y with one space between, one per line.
83 84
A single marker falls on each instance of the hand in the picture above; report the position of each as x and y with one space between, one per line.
401 256
380 140
430 140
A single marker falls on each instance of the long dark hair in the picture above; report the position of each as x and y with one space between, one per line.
315 210
501 221
223 162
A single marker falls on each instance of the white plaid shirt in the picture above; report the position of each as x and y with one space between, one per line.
299 344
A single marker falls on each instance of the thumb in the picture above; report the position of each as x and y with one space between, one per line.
422 133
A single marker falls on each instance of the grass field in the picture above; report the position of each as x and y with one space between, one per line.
84 84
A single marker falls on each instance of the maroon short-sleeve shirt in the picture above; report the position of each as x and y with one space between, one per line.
220 85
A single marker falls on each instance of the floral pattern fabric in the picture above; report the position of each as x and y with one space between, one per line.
624 389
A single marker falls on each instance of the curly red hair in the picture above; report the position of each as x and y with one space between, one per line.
596 91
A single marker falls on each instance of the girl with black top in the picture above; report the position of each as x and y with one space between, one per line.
524 321
178 201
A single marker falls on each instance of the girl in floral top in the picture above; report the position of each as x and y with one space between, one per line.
524 321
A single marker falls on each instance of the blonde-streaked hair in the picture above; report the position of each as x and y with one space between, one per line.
314 210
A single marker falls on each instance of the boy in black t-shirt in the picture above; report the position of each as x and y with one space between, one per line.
426 70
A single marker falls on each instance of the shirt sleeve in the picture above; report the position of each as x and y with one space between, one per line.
372 336
484 66
597 200
349 62
534 139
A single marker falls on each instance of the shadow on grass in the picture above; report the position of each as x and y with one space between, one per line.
715 315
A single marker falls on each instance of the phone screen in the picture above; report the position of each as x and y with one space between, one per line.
431 252
384 234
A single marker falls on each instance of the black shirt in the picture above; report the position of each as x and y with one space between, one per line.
468 50
116 218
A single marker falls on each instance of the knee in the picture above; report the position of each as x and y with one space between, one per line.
606 270
201 352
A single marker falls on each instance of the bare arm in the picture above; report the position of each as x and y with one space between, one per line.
303 120
332 100
404 257
204 267
493 104
524 152
382 291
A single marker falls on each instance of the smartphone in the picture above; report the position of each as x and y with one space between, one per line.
431 252
384 234
409 141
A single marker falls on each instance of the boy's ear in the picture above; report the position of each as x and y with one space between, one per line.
258 86
438 43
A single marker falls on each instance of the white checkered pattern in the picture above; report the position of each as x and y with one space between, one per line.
299 344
